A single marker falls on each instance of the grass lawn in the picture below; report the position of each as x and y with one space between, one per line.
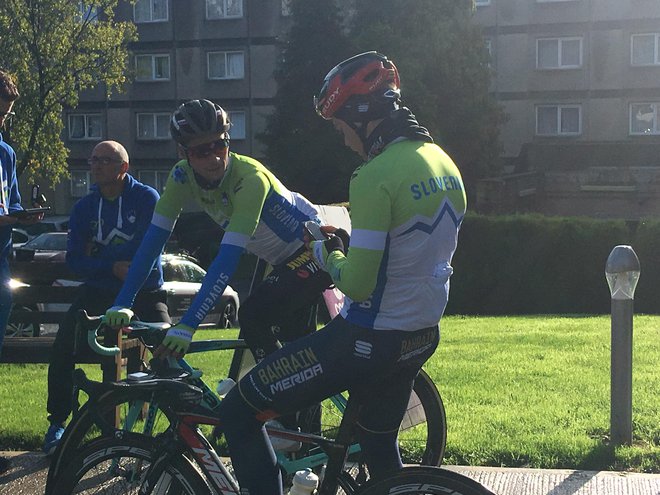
519 391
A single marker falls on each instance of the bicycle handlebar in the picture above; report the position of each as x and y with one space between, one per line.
149 333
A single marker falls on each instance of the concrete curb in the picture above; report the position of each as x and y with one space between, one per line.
27 476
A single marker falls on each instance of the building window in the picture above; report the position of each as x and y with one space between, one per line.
150 11
154 178
153 126
644 118
80 183
558 120
286 8
224 9
645 49
237 130
85 126
488 43
558 53
152 67
481 3
226 65
87 13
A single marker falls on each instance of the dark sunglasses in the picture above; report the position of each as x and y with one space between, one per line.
207 149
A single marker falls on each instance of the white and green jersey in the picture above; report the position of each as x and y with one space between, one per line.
407 205
251 205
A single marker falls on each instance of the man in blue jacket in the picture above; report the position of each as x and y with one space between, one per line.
105 229
10 201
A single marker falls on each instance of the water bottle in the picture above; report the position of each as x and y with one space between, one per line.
224 386
304 483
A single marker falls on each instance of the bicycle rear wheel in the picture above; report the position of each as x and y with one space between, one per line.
423 432
423 480
117 466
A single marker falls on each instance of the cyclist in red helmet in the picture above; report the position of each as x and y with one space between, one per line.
407 204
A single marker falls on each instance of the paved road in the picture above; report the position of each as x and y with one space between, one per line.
28 476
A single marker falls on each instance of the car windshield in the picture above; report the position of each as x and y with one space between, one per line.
50 242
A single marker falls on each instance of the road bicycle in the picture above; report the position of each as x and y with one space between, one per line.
133 406
182 461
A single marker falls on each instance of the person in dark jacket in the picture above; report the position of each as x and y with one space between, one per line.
105 229
10 201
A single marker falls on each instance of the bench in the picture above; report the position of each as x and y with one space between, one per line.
39 291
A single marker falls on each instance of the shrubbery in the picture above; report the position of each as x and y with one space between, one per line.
528 264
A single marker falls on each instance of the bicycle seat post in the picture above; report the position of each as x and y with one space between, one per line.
338 451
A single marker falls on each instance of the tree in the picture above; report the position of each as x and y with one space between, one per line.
445 75
302 148
56 49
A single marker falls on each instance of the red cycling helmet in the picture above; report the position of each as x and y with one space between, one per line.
362 88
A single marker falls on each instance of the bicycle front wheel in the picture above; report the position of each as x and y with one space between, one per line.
423 480
113 466
134 412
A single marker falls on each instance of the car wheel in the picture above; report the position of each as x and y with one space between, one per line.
19 329
228 315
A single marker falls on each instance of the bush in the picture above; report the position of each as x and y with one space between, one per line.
531 264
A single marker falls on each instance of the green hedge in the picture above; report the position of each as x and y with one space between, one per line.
530 264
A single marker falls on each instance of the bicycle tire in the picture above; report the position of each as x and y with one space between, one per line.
114 466
83 428
425 480
423 443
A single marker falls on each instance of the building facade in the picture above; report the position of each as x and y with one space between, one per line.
580 83
223 50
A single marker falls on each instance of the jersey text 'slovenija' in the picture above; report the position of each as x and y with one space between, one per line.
407 205
256 211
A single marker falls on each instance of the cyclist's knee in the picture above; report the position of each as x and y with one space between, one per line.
236 415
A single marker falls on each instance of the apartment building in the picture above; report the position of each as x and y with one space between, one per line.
223 50
580 83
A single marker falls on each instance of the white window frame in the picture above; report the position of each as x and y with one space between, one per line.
481 3
154 116
655 131
560 42
235 132
157 178
154 57
656 49
560 108
224 10
86 126
75 191
151 12
286 8
226 54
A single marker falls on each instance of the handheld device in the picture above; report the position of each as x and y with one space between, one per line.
36 197
29 211
314 231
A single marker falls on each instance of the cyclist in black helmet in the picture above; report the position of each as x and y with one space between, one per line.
257 213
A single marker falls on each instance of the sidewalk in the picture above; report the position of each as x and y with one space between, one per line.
28 477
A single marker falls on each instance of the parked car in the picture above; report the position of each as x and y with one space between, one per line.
19 237
183 279
53 223
50 246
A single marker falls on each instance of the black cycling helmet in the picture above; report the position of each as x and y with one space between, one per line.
198 121
360 89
